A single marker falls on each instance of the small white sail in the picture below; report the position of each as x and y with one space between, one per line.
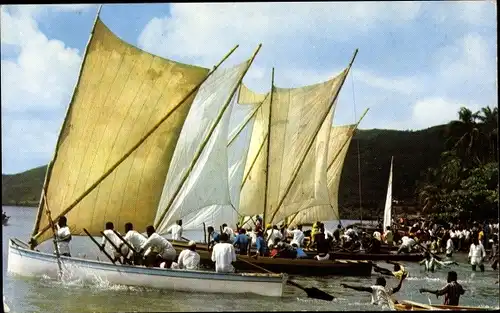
207 182
388 200
242 118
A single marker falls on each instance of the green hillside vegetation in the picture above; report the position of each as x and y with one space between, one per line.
413 152
23 189
446 171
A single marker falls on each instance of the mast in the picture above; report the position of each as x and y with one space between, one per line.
205 141
296 172
48 173
133 148
268 150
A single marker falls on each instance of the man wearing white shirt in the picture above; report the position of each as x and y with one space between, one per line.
229 231
176 230
253 236
476 254
188 259
272 234
406 245
135 239
156 243
224 254
298 236
109 234
63 237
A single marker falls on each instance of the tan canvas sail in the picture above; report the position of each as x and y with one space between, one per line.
247 96
121 93
340 138
299 135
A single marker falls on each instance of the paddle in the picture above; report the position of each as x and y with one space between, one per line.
433 255
100 247
312 292
114 246
125 241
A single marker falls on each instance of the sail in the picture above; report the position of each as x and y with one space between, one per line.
121 92
388 201
297 169
254 176
340 138
247 96
207 181
240 125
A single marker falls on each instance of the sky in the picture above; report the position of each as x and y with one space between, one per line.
418 62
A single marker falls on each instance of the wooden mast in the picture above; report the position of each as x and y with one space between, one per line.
296 172
207 138
268 150
129 152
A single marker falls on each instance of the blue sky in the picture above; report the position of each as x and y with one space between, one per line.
418 62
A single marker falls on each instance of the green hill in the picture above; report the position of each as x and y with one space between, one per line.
413 151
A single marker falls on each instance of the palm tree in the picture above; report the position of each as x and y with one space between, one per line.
464 135
489 125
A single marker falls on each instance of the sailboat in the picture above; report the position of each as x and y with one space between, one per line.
285 169
110 163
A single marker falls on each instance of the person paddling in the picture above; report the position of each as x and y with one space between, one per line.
136 240
452 291
380 294
156 243
63 237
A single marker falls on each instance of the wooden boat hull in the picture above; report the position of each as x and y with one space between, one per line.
26 262
302 267
406 305
411 257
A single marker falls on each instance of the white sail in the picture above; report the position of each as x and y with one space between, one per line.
388 201
207 182
242 118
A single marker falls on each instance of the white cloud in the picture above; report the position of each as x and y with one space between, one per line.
401 85
35 84
435 111
206 31
44 71
468 12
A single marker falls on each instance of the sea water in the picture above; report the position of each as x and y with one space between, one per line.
42 294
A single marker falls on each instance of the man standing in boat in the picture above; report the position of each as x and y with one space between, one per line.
224 255
176 230
452 291
63 237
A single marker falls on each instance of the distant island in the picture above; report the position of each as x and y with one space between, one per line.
413 152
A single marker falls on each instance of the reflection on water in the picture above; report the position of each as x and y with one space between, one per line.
42 294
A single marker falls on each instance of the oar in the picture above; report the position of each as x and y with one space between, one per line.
433 255
113 245
100 247
312 292
125 242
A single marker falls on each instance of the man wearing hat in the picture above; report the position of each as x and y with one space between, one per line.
188 259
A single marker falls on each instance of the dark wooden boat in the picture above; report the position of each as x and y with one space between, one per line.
302 267
340 255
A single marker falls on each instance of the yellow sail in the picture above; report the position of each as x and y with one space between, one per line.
295 140
340 138
121 93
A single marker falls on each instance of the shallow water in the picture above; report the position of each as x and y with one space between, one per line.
45 295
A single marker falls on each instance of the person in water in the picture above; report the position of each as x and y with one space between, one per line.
380 294
398 272
476 254
452 291
431 263
494 253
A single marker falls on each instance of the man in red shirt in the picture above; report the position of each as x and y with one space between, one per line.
452 291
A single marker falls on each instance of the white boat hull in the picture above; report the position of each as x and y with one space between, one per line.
26 262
